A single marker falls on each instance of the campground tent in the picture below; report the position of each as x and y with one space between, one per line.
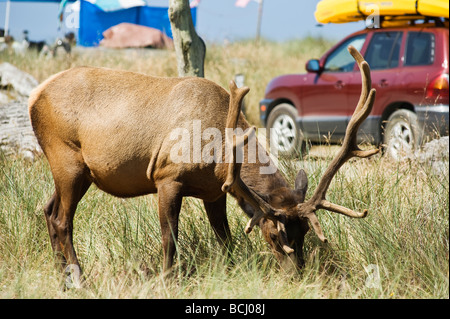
130 35
96 16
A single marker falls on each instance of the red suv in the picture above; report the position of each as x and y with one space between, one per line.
409 68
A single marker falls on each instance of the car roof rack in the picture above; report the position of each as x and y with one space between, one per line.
408 20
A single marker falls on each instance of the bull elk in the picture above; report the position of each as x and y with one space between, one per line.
112 128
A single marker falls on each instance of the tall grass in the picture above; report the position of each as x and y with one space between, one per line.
118 241
405 236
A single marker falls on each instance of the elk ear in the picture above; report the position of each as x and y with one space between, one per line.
301 184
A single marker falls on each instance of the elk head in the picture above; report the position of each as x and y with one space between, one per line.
283 215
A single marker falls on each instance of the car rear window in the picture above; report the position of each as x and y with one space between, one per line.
384 50
419 48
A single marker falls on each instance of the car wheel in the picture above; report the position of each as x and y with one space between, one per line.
401 137
285 134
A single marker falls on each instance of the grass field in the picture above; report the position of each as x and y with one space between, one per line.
401 250
118 242
258 63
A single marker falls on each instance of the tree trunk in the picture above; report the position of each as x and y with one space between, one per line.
189 47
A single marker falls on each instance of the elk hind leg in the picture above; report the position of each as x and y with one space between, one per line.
50 212
71 183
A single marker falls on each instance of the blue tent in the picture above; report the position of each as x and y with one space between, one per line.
98 17
95 19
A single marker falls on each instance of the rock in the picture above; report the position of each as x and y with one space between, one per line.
435 150
20 81
434 154
4 98
16 133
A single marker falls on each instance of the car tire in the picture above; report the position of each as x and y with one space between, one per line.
286 136
401 135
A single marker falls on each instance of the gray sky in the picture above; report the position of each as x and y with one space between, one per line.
217 20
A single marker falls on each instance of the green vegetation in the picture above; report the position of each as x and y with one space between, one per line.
258 63
405 236
118 241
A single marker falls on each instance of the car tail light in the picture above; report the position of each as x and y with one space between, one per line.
438 87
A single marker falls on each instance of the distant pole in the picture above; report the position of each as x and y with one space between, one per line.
260 12
7 17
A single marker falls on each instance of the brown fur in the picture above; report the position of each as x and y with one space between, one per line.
112 128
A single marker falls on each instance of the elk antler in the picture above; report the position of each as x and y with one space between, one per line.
236 96
348 150
262 208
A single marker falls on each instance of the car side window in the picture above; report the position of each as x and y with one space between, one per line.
340 60
384 50
419 48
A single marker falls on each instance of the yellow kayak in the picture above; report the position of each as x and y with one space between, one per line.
342 11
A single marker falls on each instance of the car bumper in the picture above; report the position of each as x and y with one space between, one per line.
433 120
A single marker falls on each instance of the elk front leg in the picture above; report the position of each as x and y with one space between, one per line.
217 215
169 204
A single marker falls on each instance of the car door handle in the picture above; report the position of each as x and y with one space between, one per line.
339 85
384 83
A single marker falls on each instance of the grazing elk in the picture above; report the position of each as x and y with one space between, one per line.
112 128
